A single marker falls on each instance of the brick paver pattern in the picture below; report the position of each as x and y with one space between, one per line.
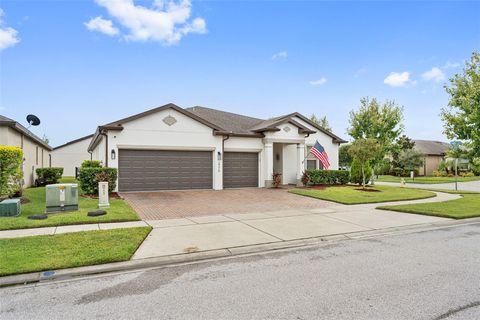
194 203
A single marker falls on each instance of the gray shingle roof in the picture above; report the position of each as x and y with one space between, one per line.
431 147
4 121
226 120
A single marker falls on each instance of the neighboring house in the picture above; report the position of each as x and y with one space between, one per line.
169 148
433 152
36 153
71 155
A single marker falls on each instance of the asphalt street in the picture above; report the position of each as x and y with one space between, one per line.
423 275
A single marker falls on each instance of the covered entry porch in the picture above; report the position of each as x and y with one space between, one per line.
287 158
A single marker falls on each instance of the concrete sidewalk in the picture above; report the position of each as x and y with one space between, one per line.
19 233
464 186
187 235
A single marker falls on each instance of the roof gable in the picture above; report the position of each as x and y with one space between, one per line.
4 121
117 125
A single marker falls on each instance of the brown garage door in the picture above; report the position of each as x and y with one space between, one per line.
143 170
240 169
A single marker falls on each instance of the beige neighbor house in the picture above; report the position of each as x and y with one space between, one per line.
71 155
36 153
170 147
433 152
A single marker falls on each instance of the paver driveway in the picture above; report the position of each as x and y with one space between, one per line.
194 203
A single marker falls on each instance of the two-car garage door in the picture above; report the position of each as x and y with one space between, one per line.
143 170
149 170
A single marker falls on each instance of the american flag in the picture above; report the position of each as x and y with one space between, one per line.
319 152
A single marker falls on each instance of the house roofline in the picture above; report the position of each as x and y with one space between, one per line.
19 128
73 141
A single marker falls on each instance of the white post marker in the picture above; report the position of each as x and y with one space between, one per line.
103 195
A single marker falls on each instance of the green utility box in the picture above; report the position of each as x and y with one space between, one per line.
10 208
61 197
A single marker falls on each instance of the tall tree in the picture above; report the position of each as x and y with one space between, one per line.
321 121
462 115
402 144
364 151
344 157
379 121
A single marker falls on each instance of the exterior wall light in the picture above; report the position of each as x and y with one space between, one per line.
112 155
219 155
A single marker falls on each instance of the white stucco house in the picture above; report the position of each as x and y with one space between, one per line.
170 148
71 155
36 152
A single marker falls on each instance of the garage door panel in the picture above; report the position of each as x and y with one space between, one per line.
240 169
143 170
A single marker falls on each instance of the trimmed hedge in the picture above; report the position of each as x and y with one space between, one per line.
328 176
11 159
88 179
49 175
91 164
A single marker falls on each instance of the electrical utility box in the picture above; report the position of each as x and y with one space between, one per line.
10 208
62 197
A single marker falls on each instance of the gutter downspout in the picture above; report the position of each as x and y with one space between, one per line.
104 133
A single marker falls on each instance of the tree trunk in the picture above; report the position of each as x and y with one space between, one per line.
363 177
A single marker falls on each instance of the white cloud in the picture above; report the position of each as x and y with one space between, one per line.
449 65
434 74
166 21
398 79
102 25
318 82
8 36
280 55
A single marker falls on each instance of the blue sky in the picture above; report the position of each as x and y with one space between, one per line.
78 64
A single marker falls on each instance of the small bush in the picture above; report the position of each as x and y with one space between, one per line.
276 179
91 164
11 159
49 175
437 173
356 172
404 172
305 177
328 176
475 164
467 174
88 178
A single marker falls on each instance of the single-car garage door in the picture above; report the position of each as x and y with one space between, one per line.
143 170
240 169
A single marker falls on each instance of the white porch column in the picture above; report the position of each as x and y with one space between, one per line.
268 164
300 164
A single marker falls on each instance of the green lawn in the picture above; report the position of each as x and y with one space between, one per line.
426 180
40 253
350 194
119 211
466 207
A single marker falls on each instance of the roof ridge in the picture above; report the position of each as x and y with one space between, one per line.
232 113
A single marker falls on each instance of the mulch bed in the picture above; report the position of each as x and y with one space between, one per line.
368 190
111 195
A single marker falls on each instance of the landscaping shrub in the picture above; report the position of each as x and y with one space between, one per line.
91 164
475 164
11 159
48 175
305 178
88 178
404 172
276 179
356 172
328 176
467 174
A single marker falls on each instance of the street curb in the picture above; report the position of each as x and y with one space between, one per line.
36 277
